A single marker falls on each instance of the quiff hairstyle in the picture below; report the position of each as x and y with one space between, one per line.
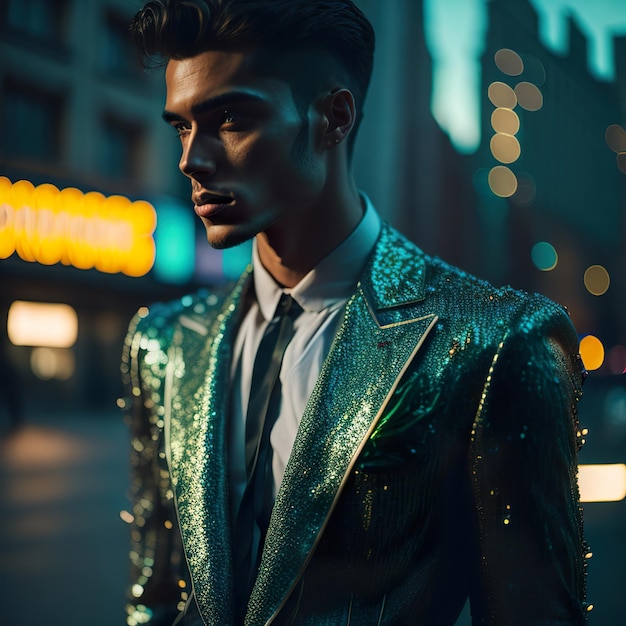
179 29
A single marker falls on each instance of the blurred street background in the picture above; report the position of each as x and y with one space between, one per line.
494 136
63 546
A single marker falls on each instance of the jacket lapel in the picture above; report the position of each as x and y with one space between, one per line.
196 385
385 324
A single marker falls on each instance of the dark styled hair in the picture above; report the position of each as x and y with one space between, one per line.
178 29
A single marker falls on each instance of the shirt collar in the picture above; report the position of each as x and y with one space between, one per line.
332 280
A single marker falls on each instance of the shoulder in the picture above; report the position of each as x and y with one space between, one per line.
468 296
153 328
464 301
159 320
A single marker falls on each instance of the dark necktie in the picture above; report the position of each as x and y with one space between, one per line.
263 405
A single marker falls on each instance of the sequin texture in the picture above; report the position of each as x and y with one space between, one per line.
439 446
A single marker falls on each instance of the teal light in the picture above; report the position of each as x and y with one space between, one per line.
544 256
235 259
456 46
175 242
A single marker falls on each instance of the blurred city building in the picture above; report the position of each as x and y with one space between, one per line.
550 181
84 133
403 160
547 124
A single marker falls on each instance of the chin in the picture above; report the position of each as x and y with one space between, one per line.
223 237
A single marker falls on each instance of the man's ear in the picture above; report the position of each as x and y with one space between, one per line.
339 113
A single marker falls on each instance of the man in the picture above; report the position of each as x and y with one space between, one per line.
416 444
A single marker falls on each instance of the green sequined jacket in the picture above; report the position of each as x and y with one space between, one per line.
436 460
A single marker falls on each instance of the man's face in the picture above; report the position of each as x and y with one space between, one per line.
250 156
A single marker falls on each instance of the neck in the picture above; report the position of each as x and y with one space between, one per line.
290 251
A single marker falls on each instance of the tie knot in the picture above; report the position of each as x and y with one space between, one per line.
287 306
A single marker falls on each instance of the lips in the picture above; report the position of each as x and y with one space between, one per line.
208 204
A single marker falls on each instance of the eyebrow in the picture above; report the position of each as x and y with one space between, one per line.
223 100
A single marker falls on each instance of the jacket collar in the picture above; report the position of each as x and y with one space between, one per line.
384 325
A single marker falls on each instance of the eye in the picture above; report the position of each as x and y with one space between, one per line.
235 121
181 129
229 117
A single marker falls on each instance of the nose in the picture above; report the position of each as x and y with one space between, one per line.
199 156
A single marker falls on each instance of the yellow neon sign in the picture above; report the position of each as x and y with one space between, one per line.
86 230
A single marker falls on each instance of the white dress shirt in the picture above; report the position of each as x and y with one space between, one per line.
322 294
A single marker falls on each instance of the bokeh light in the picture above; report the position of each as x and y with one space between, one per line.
621 162
602 482
505 148
505 121
52 363
501 95
529 96
509 62
127 517
502 181
52 325
544 256
616 138
591 352
597 280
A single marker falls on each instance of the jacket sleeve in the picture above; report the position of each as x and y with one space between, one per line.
530 551
158 576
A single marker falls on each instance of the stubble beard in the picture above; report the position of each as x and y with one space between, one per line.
301 158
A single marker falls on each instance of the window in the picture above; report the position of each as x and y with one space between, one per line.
40 19
33 122
118 56
119 149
